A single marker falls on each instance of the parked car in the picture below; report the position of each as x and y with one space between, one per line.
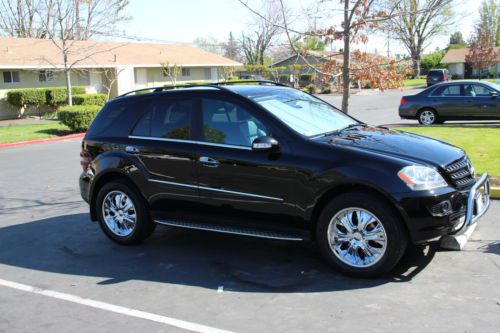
251 77
437 75
459 100
274 162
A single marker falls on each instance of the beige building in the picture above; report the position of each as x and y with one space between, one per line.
459 69
100 66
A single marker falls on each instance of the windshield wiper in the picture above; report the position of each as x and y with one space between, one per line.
352 126
322 135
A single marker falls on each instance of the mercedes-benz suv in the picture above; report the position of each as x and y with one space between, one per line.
269 161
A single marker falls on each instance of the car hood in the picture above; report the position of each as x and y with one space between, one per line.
405 145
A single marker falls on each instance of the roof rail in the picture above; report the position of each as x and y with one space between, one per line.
216 85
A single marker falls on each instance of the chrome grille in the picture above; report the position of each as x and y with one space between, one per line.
461 172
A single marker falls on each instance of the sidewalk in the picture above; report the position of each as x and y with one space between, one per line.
24 121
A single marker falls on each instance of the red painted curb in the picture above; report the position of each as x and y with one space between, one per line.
32 142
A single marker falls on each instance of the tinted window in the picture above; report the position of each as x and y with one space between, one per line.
106 120
166 119
227 123
436 74
453 90
476 90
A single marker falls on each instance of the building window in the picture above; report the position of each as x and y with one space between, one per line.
45 76
186 72
11 77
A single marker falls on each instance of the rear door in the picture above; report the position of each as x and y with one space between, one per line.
479 102
162 140
448 100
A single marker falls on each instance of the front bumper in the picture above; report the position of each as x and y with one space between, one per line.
478 202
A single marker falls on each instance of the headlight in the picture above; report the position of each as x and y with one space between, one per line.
419 178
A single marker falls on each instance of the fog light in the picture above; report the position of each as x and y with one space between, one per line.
442 209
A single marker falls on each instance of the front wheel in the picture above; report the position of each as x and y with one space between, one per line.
123 214
361 235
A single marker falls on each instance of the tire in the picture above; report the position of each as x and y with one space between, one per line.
123 233
428 117
396 238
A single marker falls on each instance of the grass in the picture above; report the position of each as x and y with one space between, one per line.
481 142
414 82
32 132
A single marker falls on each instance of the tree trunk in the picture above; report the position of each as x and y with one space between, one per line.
67 73
347 57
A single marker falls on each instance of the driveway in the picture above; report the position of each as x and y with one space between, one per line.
58 272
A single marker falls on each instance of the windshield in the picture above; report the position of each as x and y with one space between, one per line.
303 113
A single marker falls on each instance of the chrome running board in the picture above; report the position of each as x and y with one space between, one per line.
230 230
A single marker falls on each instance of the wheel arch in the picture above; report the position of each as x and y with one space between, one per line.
331 193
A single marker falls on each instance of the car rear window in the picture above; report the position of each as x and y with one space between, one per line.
436 74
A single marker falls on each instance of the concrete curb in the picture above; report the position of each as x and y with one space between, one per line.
32 142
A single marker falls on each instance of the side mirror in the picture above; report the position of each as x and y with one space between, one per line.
265 143
494 94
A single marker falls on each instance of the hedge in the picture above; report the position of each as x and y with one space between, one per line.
78 117
90 99
59 95
36 96
22 97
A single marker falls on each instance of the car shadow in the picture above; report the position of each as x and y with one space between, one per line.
72 245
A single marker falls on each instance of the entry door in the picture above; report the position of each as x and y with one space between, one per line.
162 141
479 102
247 186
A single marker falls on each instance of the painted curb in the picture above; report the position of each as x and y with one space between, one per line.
495 192
32 142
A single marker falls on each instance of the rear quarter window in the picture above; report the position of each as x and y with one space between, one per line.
115 119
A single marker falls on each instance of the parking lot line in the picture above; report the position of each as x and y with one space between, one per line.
113 308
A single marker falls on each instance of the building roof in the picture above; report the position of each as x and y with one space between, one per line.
43 53
458 55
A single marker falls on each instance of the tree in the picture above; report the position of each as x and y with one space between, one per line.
420 22
310 43
482 55
209 44
231 49
431 60
256 41
489 20
171 71
456 41
70 20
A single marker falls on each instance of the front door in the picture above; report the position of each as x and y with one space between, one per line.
247 187
479 102
162 141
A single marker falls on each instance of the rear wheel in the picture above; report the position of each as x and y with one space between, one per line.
361 235
123 213
428 117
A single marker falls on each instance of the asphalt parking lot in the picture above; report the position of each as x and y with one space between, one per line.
58 272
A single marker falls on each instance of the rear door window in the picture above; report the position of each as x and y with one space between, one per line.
166 118
447 91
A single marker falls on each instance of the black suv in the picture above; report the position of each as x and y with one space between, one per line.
269 161
437 75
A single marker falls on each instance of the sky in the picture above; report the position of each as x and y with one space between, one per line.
181 21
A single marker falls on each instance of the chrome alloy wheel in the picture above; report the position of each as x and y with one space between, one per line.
357 237
427 117
119 213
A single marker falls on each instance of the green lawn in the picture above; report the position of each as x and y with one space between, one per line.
481 142
32 132
414 82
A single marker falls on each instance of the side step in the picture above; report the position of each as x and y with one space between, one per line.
230 230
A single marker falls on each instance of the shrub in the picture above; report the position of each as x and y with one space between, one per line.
78 117
307 77
310 88
326 89
90 99
22 97
59 95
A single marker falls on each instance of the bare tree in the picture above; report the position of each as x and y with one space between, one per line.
231 48
419 22
19 18
265 28
110 77
171 71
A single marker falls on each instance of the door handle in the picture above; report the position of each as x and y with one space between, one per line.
208 161
132 150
